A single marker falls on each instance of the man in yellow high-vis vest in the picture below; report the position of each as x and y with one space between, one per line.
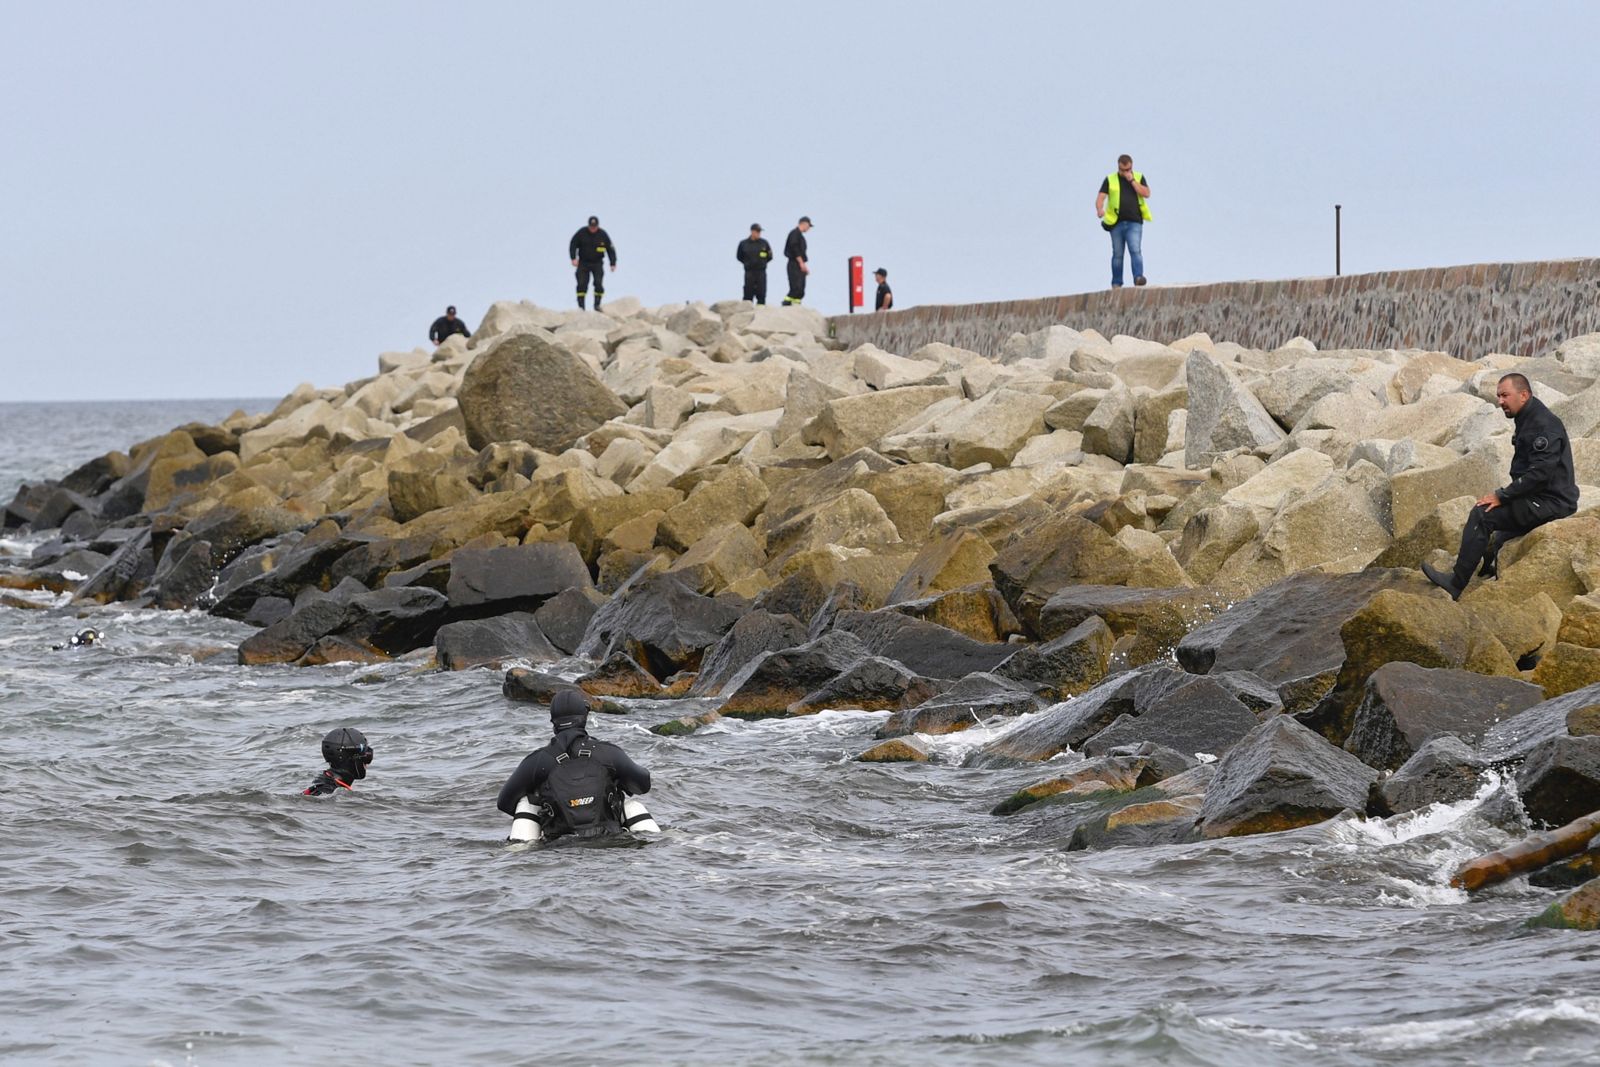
1122 210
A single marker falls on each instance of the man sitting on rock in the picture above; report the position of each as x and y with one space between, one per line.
575 779
1542 488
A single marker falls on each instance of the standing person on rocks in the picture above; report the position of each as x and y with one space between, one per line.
755 252
589 249
577 782
885 298
348 754
1542 488
1123 211
447 326
794 249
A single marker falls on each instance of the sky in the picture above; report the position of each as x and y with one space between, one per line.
226 199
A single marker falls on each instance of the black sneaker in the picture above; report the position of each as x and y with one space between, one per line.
1139 280
1444 580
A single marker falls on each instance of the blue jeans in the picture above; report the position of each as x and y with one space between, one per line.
1130 234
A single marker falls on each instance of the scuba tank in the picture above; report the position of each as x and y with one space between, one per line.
526 828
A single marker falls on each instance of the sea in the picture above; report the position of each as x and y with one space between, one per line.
167 896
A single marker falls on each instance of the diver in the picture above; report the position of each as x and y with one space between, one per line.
575 785
348 754
82 639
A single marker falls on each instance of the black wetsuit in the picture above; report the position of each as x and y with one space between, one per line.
755 253
1543 489
444 326
329 781
795 250
530 776
591 250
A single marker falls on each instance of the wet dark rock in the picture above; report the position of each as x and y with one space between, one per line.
514 576
433 574
1119 773
685 724
1443 769
754 633
1578 910
1560 780
1200 716
268 610
490 642
800 595
279 567
1250 690
872 684
896 750
773 681
125 574
1156 619
1287 634
212 440
1046 556
565 616
184 576
387 621
926 648
971 700
373 560
620 676
1064 666
661 623
57 506
82 526
25 505
978 611
336 648
75 561
1280 776
528 686
846 596
1406 705
1569 873
1512 740
1068 725
346 591
96 476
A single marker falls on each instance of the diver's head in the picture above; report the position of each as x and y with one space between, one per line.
569 710
346 749
86 636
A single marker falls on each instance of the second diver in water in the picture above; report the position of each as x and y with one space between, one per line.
348 754
575 785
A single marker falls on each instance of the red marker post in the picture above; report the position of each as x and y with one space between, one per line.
856 285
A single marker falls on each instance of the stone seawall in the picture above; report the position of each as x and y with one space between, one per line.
1470 311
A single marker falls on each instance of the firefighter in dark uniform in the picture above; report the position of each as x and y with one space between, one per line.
1543 488
589 249
885 296
447 326
755 252
795 250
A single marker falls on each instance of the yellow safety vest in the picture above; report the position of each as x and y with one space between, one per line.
1114 195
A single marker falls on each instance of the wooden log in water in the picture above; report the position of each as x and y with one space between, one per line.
1531 853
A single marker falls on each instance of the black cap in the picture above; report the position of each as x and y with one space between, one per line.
807 219
881 271
451 310
570 708
756 226
593 221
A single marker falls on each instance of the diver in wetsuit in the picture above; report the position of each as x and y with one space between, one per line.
348 754
82 639
577 781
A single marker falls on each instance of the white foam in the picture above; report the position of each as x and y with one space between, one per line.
1422 1035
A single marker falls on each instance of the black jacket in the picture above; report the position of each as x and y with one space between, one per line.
1541 466
329 781
444 327
755 253
795 246
586 247
537 765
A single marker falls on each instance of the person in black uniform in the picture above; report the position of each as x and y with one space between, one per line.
574 777
348 754
795 251
755 253
589 249
885 298
446 326
1542 488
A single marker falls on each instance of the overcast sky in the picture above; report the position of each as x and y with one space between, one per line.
225 199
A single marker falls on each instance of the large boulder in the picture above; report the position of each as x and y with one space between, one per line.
564 617
1443 770
955 559
490 642
773 681
527 388
1063 666
1223 414
977 697
871 684
1069 724
850 422
1279 776
1574 714
977 611
1404 706
929 649
1059 551
386 622
514 576
736 495
755 633
1560 779
1200 716
659 621
991 430
1154 620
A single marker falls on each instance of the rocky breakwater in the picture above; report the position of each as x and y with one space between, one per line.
1150 554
